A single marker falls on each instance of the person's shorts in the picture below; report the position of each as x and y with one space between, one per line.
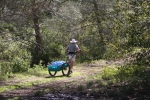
72 57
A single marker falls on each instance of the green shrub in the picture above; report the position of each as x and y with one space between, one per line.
128 72
5 68
108 73
19 65
112 52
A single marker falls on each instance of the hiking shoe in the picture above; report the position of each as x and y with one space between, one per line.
71 71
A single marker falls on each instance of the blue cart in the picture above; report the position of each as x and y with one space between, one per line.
56 66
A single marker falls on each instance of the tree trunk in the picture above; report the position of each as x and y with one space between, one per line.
96 11
102 44
36 54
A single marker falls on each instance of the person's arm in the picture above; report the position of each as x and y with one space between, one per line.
78 49
67 49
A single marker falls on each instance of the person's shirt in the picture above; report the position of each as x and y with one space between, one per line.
72 48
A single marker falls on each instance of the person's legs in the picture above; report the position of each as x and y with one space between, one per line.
72 60
71 65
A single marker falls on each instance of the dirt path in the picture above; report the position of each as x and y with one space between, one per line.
77 81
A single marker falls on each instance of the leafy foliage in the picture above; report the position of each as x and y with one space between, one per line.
108 73
103 29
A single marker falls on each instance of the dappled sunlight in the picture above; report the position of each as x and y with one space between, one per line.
112 49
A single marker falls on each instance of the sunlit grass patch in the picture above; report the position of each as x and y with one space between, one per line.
136 49
38 71
75 74
14 98
2 89
22 85
8 88
102 78
26 80
3 77
97 62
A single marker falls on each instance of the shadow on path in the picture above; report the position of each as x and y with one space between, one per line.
2 98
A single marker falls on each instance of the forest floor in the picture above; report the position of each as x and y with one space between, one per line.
80 85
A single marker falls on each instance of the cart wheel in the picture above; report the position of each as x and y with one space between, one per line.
52 73
65 69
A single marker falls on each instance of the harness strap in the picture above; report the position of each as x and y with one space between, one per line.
71 53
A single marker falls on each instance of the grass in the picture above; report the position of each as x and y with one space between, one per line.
108 73
89 84
80 87
40 93
16 86
14 98
31 78
103 82
37 77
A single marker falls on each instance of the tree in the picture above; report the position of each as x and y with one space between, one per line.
25 15
94 30
131 22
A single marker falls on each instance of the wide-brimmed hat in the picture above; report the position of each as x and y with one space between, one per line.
73 41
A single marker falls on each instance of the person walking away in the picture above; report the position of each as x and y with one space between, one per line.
71 49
